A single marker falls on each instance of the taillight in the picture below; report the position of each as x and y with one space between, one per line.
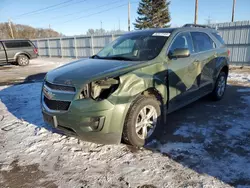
35 51
228 53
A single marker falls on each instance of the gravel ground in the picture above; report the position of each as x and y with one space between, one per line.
205 144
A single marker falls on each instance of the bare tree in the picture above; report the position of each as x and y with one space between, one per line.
25 31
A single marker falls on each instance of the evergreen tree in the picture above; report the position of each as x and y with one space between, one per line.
152 14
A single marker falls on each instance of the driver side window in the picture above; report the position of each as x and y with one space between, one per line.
183 40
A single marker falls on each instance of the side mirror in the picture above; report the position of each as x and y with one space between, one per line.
180 53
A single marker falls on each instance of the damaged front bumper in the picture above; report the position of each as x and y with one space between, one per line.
88 119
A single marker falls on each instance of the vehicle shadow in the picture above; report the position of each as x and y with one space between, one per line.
22 99
211 137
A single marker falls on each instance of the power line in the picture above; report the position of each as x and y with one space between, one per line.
60 7
5 4
81 17
84 10
45 8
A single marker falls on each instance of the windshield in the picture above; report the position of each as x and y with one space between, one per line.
134 47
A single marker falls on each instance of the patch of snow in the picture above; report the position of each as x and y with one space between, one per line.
239 77
245 90
69 162
221 150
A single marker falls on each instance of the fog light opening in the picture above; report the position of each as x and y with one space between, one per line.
97 123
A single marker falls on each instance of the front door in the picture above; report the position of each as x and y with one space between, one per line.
182 73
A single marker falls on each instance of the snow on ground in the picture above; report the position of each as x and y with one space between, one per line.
193 161
240 77
40 62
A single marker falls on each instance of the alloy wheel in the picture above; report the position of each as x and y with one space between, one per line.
146 122
221 86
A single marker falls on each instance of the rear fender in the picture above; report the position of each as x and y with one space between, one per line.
220 64
21 53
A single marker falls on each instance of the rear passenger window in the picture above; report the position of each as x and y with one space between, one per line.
219 38
202 42
17 44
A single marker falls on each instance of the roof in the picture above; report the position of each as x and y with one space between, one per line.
170 30
153 30
5 40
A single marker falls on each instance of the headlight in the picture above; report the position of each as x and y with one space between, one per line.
100 89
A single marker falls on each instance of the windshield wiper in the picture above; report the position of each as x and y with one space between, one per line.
95 57
112 57
118 58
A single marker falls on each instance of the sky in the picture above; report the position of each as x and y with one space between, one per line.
75 17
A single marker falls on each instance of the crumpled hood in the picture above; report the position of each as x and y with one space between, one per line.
86 70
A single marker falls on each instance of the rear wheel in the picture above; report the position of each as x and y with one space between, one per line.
22 60
142 121
220 87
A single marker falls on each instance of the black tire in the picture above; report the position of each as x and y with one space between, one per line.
217 94
23 60
129 135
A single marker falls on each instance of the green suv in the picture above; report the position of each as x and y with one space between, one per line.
125 91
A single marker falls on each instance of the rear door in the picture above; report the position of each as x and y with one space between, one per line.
182 73
205 55
2 54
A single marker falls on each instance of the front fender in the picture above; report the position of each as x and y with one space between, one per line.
134 84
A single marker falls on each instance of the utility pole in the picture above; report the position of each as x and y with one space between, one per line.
11 31
209 20
119 25
101 27
128 15
234 1
196 12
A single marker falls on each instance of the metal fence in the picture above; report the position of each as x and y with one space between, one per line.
73 47
237 38
235 34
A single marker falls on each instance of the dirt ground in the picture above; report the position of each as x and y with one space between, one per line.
205 144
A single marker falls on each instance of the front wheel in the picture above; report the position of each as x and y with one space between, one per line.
142 121
220 87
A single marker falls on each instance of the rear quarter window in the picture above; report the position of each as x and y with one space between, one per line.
17 44
219 38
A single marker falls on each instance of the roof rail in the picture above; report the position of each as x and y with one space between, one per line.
196 25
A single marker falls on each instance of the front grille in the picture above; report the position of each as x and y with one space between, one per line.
60 87
56 105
